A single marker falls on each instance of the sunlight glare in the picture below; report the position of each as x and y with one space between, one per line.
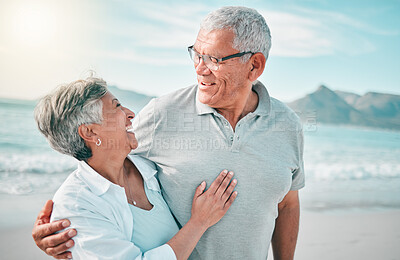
34 25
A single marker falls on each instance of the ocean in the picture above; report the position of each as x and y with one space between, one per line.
347 168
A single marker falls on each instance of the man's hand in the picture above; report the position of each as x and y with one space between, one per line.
55 245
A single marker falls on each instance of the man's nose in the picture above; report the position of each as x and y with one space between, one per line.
201 68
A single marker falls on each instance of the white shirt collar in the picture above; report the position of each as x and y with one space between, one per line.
99 185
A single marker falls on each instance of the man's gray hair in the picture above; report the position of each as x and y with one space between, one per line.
250 29
59 115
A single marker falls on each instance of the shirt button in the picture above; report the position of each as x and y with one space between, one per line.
231 138
237 138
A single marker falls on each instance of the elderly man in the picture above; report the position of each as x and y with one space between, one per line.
227 120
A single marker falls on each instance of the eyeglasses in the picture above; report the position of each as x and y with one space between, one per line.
211 62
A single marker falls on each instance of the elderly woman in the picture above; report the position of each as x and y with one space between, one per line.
113 199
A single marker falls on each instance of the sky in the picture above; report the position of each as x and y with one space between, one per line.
348 45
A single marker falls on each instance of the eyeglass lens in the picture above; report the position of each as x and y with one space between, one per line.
207 61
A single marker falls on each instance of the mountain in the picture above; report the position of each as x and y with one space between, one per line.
338 107
327 106
131 99
349 97
379 105
322 106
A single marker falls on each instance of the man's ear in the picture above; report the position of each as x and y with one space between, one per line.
88 133
257 66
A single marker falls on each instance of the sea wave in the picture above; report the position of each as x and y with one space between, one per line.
325 171
46 162
32 172
25 183
44 172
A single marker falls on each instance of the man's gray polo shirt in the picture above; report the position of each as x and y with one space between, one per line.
191 142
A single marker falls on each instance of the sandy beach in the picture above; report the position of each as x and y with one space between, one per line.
355 236
359 235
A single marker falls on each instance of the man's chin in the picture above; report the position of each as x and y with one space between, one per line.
205 96
205 99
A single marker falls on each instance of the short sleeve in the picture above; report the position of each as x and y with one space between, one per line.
298 176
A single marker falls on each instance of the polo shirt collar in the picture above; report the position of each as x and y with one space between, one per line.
264 100
263 108
201 108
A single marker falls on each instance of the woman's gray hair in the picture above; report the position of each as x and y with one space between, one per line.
250 29
59 115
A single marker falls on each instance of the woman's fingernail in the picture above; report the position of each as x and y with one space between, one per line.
71 233
225 171
234 181
69 243
65 223
231 173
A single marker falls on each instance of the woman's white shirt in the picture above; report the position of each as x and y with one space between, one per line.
99 211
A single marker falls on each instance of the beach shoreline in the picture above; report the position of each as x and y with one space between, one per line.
323 235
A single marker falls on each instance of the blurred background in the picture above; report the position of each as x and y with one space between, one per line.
335 63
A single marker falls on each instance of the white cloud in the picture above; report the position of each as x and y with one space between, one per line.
347 21
309 33
296 36
183 16
164 58
154 25
295 33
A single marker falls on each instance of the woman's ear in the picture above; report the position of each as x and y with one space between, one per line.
88 133
257 66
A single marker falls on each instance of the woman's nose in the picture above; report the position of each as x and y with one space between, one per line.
129 114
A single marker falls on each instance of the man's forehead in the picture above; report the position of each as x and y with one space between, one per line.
215 40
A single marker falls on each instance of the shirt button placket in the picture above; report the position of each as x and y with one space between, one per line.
235 144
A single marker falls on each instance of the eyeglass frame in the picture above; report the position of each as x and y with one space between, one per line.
240 54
